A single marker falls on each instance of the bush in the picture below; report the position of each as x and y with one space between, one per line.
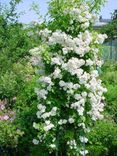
25 106
109 78
9 135
103 139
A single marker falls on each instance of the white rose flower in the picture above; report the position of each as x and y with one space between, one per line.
57 73
41 93
62 83
45 79
53 146
48 127
65 51
35 142
56 60
53 111
89 62
46 115
83 139
84 152
71 120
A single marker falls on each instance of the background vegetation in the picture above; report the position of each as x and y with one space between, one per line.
17 98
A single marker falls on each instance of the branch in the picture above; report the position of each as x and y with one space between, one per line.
96 4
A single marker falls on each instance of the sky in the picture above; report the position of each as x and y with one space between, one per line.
29 15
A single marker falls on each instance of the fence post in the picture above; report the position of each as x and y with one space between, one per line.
111 49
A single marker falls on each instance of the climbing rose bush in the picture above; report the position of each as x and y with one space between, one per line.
70 93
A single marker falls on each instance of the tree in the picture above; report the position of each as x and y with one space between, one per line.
14 47
111 30
111 27
69 91
114 15
9 12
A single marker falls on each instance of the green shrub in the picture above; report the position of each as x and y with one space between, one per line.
25 106
109 78
9 134
103 139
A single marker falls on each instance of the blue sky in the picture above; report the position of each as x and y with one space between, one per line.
30 15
